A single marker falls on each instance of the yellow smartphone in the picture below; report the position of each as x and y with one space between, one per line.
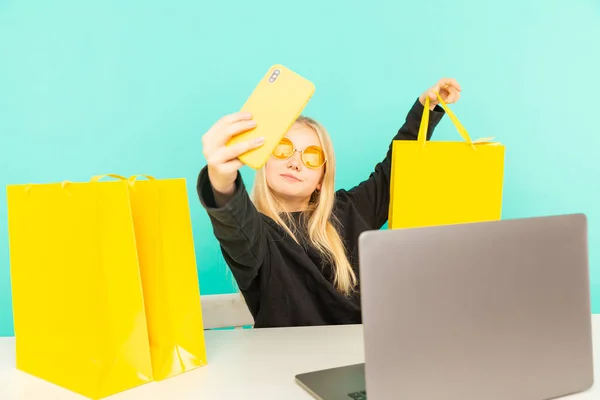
276 102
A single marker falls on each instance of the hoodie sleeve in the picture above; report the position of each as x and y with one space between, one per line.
239 228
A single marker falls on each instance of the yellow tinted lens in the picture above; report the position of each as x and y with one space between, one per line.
284 149
313 157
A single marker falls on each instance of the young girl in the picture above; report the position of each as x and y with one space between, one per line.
292 249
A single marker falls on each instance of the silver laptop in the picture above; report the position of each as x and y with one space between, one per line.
492 310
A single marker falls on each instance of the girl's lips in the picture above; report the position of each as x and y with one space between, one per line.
290 178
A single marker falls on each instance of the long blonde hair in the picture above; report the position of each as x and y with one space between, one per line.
322 223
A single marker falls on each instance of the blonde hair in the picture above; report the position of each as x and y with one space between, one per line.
322 231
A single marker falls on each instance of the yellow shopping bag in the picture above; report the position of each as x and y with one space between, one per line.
165 244
104 283
440 183
77 295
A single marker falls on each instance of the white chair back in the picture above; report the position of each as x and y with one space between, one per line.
225 311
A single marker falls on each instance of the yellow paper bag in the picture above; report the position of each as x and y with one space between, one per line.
440 183
77 295
165 244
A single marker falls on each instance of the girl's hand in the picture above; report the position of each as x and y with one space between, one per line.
449 91
223 164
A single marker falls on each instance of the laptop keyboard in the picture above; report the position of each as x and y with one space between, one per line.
361 395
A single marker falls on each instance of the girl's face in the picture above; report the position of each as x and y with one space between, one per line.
291 179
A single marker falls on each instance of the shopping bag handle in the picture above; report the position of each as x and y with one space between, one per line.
133 178
422 136
97 178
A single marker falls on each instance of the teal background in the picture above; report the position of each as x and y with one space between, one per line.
130 86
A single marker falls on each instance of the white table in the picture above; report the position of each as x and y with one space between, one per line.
243 364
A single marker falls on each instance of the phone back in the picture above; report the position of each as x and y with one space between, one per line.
275 103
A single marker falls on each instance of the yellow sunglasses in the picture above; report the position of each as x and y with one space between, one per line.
312 156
